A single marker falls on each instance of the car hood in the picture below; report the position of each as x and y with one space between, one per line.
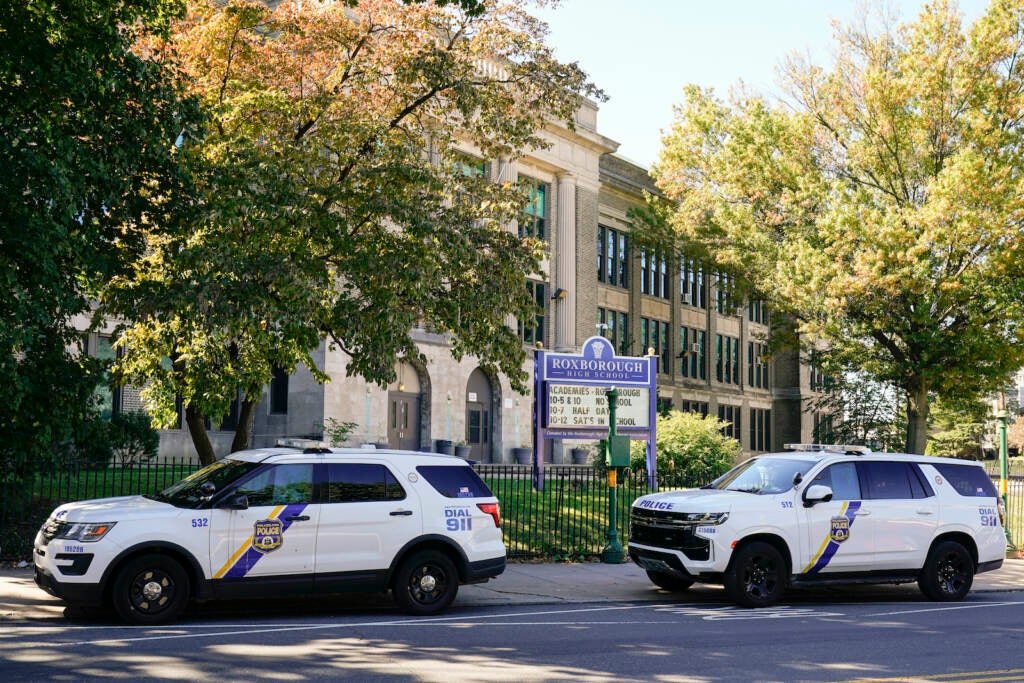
692 500
112 510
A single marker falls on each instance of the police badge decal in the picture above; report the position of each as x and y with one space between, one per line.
840 529
267 535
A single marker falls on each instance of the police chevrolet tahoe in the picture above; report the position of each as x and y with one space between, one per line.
820 515
279 521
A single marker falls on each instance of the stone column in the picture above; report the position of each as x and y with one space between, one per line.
565 264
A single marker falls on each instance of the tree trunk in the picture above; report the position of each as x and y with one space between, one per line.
196 422
243 432
917 417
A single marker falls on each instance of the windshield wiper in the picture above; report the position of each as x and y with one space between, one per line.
159 497
747 490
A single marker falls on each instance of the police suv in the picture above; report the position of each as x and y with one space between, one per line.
821 515
279 521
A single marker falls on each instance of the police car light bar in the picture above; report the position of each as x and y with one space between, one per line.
827 448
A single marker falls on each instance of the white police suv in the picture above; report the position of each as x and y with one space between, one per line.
279 521
824 514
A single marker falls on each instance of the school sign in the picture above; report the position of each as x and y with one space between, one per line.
570 398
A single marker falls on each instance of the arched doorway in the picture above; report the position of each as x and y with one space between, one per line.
478 416
404 409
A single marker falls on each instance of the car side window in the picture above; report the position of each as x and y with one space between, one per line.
279 485
882 480
842 479
361 483
968 480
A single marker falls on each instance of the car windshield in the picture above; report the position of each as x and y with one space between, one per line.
762 476
186 493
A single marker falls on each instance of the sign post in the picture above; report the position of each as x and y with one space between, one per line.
613 552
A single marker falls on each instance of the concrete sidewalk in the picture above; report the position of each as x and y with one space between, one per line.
523 584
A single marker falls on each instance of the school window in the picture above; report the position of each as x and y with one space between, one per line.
654 334
823 431
612 257
757 312
615 329
692 345
819 380
471 168
653 273
691 284
727 359
699 407
757 365
664 406
725 294
229 422
760 429
278 391
533 219
532 332
730 414
109 395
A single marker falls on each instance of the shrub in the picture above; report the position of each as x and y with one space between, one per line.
132 438
691 449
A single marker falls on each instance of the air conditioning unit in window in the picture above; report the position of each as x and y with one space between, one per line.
695 347
684 298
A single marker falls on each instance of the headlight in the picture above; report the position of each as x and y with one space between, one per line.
706 517
84 532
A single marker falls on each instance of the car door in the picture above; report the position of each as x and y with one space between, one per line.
276 534
839 536
366 518
904 510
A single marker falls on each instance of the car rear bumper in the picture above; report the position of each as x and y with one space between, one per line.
478 572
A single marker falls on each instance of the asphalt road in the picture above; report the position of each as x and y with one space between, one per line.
814 637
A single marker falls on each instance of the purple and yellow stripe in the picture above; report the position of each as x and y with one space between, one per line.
829 547
246 557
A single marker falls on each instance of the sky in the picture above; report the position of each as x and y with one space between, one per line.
642 52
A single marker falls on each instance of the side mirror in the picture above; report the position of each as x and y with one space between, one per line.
238 501
206 490
818 493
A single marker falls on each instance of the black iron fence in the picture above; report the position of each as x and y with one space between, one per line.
568 519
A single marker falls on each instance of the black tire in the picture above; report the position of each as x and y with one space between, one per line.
669 582
948 573
756 577
426 583
151 589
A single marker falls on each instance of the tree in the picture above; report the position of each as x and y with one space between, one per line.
860 411
880 206
691 449
333 201
88 159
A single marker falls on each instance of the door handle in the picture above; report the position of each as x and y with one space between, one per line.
401 513
924 512
863 513
297 518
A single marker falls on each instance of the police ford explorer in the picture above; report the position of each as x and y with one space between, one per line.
820 515
279 521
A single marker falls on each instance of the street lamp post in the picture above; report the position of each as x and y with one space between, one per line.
1003 418
613 552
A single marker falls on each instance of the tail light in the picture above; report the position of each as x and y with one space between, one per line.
492 509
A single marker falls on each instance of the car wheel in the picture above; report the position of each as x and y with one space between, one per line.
756 577
426 583
948 573
152 589
669 582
